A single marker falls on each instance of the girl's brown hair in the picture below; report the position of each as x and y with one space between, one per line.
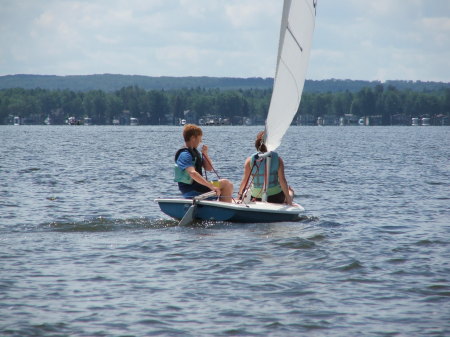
259 142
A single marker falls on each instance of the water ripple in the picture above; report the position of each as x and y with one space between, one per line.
105 225
84 250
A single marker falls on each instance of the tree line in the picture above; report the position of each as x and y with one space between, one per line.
113 82
152 107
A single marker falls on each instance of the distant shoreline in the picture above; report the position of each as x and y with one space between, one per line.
215 101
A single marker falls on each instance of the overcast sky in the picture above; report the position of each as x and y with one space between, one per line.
354 39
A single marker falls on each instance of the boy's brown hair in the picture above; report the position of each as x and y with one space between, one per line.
190 130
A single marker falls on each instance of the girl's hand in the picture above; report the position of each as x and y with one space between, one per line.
288 200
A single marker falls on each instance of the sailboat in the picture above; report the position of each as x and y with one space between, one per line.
297 27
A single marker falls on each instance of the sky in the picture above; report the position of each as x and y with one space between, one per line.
353 39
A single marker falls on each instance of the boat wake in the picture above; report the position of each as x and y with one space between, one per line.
102 224
108 225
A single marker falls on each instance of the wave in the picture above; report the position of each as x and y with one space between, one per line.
355 265
29 170
295 243
107 225
329 224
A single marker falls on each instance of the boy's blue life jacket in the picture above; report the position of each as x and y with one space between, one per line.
182 176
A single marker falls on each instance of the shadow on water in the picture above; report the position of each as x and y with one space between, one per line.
108 225
221 224
304 223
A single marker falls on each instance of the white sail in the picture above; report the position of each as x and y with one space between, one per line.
297 27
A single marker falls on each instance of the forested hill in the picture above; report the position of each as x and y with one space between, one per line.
111 82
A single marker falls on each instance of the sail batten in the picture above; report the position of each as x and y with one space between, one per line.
293 36
297 26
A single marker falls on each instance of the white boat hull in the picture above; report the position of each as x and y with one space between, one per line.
252 212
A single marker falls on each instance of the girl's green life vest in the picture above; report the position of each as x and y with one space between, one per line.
182 176
258 182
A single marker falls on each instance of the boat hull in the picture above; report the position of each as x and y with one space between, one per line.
253 212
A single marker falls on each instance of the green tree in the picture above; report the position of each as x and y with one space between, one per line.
159 107
391 105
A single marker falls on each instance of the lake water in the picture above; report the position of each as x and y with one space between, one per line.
85 251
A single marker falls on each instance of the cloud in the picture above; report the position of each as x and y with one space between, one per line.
437 31
384 39
357 39
252 13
